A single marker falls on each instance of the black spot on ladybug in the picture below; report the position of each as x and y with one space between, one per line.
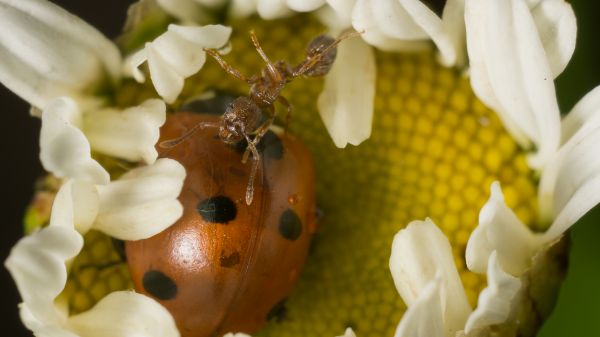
219 209
269 146
119 246
212 105
159 285
278 312
290 226
229 260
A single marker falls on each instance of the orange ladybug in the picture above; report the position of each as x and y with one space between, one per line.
226 266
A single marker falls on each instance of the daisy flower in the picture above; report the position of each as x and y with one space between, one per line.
461 161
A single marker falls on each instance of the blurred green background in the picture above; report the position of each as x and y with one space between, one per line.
578 310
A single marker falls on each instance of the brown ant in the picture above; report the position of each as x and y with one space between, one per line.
243 116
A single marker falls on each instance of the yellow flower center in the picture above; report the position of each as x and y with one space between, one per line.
434 151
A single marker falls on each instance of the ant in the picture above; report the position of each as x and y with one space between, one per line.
242 117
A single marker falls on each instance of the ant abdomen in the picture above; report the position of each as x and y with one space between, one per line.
323 49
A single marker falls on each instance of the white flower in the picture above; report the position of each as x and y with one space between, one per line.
39 263
45 52
176 55
426 277
514 74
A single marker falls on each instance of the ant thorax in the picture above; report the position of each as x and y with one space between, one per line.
267 88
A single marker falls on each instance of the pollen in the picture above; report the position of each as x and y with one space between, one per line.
95 272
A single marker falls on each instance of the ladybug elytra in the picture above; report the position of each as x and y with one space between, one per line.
226 266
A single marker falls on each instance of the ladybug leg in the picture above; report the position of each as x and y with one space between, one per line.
256 160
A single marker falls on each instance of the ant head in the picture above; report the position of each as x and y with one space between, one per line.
230 134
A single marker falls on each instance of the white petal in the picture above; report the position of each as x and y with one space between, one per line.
346 102
424 318
242 8
167 82
185 10
305 5
586 109
557 26
364 21
129 134
37 264
343 9
272 9
76 204
453 21
40 327
348 333
176 55
124 314
500 230
143 202
432 25
46 52
498 301
511 74
395 22
566 190
419 253
64 149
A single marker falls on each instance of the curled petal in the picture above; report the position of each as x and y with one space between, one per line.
143 202
420 254
176 55
272 9
364 21
585 112
567 186
500 230
37 263
348 333
343 10
424 318
124 314
129 134
450 46
497 302
557 26
346 102
46 52
76 205
64 149
511 73
304 5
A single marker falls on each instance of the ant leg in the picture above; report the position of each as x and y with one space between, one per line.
260 132
260 51
167 144
256 158
289 108
227 67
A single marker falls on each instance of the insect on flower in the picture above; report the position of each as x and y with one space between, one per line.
243 118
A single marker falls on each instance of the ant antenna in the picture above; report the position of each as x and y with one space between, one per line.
256 158
260 51
167 144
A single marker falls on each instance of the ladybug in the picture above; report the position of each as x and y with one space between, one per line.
226 266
